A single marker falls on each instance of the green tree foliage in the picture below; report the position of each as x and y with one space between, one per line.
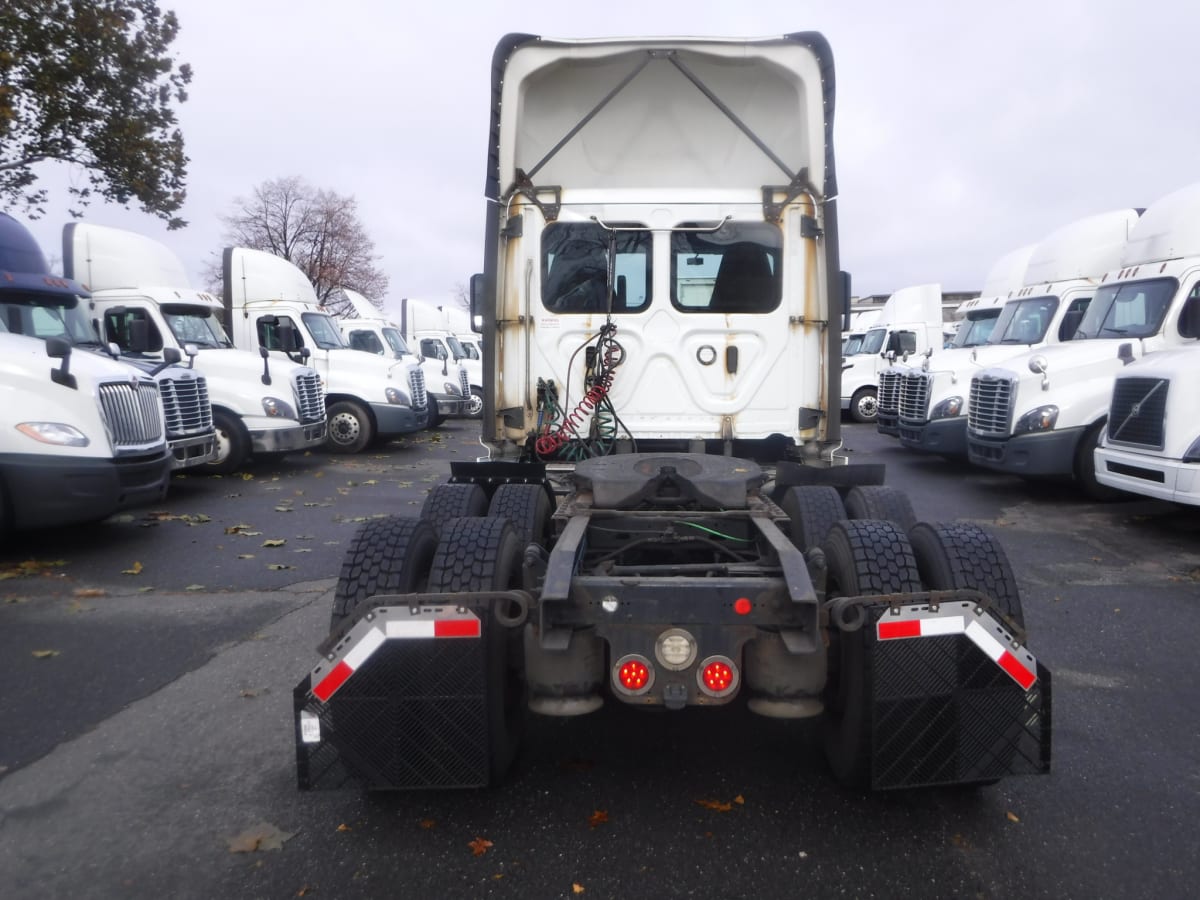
91 83
316 230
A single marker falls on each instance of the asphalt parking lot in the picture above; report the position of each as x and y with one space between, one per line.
147 663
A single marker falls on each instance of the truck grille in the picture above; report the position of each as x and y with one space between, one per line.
914 397
186 406
887 392
416 381
464 382
1138 409
133 413
990 405
310 397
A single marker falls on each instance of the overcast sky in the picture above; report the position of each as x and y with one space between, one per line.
962 129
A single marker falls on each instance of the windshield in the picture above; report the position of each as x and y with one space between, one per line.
1026 321
976 331
873 342
195 325
853 345
395 341
324 332
46 316
1133 309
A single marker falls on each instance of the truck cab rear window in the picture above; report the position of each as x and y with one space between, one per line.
575 267
734 269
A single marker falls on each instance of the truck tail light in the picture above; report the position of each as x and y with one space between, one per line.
633 674
718 676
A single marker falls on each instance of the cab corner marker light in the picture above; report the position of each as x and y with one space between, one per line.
742 606
633 674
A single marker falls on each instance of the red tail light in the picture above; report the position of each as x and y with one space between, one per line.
633 674
718 676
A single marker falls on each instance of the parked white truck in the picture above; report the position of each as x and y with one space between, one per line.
141 301
1041 414
370 331
1151 445
976 318
661 289
910 322
427 329
271 305
81 435
1060 279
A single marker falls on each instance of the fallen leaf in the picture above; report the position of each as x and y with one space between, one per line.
276 567
245 556
479 846
146 589
263 836
1012 816
343 827
371 481
236 529
715 805
599 817
135 569
194 587
427 824
90 592
274 542
246 476
31 567
44 654
248 694
577 888
739 800
284 509
303 892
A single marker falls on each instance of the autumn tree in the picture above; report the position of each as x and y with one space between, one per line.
318 231
92 83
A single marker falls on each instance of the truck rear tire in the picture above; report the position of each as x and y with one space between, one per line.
813 510
528 508
960 555
350 428
864 406
233 444
385 556
452 501
878 501
863 557
485 555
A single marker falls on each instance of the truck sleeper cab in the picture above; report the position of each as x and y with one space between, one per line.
1043 413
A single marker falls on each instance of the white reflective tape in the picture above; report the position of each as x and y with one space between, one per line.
359 652
310 727
410 628
945 625
984 641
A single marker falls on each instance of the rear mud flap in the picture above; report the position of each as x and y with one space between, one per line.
399 703
955 698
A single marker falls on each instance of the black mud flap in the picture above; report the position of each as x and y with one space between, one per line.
400 702
955 698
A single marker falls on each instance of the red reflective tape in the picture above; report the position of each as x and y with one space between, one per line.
907 629
1016 669
331 682
449 628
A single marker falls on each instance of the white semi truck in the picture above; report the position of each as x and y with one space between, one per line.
910 322
427 329
1151 445
1042 413
81 436
1060 279
370 331
271 305
612 548
141 301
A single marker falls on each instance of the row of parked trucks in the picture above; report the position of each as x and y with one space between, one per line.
1087 371
155 376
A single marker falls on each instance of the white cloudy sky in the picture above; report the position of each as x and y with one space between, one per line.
963 129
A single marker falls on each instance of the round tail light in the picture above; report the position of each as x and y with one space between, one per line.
633 674
717 676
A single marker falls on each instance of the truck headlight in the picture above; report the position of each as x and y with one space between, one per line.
277 409
947 409
397 397
54 433
1043 418
1192 453
452 389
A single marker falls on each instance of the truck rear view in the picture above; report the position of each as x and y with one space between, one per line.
660 310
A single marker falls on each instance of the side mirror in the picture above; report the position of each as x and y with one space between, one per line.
171 355
57 348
